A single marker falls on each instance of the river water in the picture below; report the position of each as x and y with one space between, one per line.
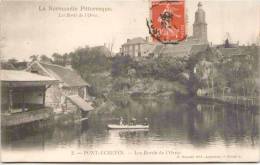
186 131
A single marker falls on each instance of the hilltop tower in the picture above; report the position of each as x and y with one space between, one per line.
200 25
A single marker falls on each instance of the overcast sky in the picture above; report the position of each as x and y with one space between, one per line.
27 30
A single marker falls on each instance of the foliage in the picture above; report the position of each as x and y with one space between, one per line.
170 67
167 68
44 58
90 60
238 72
241 73
13 64
34 57
121 65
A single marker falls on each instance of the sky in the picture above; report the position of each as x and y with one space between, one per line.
27 29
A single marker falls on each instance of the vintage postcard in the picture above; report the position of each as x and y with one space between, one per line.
130 80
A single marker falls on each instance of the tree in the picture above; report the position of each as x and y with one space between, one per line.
58 59
44 58
7 65
121 65
34 57
111 45
12 61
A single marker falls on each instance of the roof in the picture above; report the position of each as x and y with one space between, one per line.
68 76
20 65
199 48
79 102
157 48
178 50
7 66
230 51
23 78
15 75
137 40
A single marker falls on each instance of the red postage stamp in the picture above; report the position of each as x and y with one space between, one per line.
168 20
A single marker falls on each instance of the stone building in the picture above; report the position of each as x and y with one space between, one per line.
70 84
136 47
200 25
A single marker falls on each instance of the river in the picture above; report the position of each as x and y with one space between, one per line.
186 131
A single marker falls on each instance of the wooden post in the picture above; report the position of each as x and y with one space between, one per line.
43 96
139 50
223 94
23 106
85 92
212 85
10 91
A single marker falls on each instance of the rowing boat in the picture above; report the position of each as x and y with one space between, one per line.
117 126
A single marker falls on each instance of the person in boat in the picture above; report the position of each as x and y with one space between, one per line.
146 121
121 122
133 121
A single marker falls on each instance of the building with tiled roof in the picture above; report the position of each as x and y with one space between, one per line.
178 50
67 76
228 52
70 83
22 77
136 47
195 49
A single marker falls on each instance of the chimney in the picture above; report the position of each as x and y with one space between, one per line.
68 63
147 38
128 40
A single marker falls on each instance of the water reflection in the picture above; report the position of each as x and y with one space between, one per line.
194 124
130 137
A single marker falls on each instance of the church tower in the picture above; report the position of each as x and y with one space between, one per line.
200 25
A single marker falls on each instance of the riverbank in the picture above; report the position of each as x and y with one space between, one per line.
115 93
232 100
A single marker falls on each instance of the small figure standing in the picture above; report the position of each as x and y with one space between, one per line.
121 122
146 121
133 121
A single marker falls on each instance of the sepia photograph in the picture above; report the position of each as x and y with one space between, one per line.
129 81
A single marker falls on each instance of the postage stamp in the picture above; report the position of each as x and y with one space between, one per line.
168 20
